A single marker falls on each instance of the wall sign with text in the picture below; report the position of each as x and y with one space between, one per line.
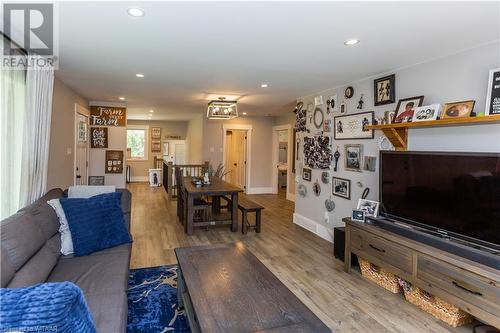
114 161
493 96
98 137
108 116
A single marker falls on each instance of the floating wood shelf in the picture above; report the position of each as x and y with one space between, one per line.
398 133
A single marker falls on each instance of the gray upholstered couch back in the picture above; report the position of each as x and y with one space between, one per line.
31 243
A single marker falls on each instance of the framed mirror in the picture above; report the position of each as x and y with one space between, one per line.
318 118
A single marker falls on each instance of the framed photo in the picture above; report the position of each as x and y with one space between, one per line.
82 131
341 187
406 108
343 108
370 163
156 146
358 215
370 207
155 133
96 180
493 94
166 148
426 113
353 126
384 90
458 109
307 174
353 157
155 177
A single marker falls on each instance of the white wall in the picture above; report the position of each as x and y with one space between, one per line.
194 140
458 77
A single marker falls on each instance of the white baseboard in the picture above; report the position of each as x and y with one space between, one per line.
139 179
260 190
313 227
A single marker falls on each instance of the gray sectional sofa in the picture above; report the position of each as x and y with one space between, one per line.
30 254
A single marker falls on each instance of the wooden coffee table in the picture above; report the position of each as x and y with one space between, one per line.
225 288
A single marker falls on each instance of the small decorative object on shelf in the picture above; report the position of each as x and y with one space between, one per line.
458 109
405 109
360 103
389 116
369 206
384 90
353 157
425 113
341 188
493 95
358 215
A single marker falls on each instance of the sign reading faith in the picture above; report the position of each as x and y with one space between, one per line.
108 116
98 137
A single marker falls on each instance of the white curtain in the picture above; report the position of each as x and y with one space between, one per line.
36 138
12 104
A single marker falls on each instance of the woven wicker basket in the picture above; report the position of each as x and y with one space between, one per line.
380 276
434 305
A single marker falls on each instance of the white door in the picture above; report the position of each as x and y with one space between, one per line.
180 153
81 149
235 162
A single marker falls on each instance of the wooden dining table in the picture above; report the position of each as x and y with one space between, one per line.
216 189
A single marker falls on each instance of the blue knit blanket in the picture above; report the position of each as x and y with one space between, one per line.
46 307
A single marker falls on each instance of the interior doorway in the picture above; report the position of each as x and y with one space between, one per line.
81 155
281 172
235 157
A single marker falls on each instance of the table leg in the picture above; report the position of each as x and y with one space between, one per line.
234 212
190 214
257 221
180 289
347 250
244 221
215 204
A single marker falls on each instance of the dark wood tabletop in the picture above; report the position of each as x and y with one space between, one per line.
217 186
232 291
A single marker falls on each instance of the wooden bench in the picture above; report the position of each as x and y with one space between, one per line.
248 206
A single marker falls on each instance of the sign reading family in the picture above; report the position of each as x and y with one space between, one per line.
108 116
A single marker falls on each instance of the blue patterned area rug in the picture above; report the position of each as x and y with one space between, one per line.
152 301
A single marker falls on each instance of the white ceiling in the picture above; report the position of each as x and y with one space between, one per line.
192 51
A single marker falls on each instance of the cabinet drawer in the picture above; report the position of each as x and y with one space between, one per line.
382 249
470 287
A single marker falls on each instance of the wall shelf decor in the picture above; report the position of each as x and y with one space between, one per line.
398 133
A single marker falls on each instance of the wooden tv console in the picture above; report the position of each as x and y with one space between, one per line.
469 285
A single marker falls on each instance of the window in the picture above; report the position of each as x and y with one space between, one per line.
137 138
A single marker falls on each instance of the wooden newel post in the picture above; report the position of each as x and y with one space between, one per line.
170 170
206 165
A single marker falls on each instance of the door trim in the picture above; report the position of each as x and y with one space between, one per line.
274 169
79 109
248 166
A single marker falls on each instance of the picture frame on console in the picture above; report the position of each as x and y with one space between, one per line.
370 207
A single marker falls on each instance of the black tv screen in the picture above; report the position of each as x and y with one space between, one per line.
454 192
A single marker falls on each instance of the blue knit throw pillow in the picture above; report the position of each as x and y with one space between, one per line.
46 307
95 223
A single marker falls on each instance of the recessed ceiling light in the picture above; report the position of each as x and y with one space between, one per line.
139 75
121 98
151 112
264 85
135 12
244 113
350 42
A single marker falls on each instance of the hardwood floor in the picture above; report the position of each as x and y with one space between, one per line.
300 259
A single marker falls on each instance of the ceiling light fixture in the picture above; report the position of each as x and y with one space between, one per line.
139 75
351 42
121 98
151 112
222 109
244 113
264 85
135 12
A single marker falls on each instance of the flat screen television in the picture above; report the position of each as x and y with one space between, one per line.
455 194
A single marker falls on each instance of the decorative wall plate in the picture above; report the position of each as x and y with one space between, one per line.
316 188
329 205
318 118
349 92
302 190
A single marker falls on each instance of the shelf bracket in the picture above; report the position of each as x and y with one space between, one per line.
398 137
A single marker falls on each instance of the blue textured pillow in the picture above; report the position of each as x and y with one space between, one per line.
46 307
95 223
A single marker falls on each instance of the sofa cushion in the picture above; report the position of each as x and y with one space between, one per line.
21 237
64 232
95 274
105 307
7 270
36 270
95 223
45 307
43 214
120 248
